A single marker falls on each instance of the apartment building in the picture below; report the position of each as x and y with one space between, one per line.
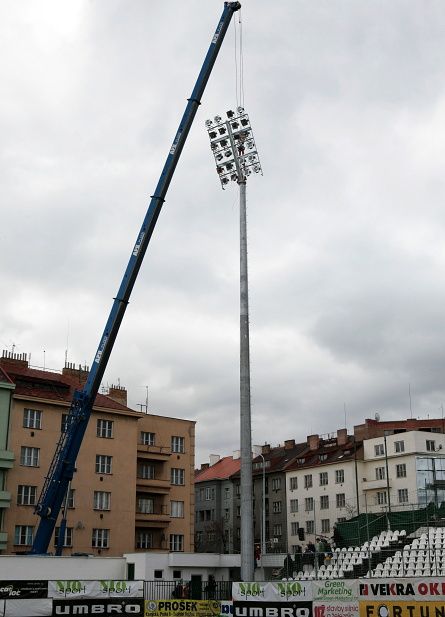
6 456
322 486
133 486
214 519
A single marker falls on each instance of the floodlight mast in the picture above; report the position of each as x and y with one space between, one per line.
230 152
62 467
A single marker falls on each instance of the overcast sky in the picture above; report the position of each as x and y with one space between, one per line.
346 228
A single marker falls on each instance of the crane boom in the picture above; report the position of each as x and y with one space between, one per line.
63 464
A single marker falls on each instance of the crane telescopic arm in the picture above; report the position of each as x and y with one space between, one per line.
63 464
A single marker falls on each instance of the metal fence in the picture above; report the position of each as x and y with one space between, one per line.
194 589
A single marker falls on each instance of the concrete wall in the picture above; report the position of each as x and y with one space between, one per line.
30 567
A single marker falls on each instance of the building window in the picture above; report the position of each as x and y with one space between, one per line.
276 507
309 504
401 470
23 535
158 574
293 483
380 473
379 450
176 542
341 519
277 530
64 423
403 495
309 526
325 525
144 539
104 428
308 481
177 509
178 444
102 500
324 502
209 493
103 463
381 498
146 505
226 514
68 539
29 457
26 495
70 501
294 505
32 418
323 478
399 446
146 471
100 538
177 476
339 476
238 511
340 500
430 445
237 490
294 529
276 484
147 439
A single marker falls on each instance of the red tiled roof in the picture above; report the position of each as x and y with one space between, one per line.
52 386
221 470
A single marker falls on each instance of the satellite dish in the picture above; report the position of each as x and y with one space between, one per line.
377 416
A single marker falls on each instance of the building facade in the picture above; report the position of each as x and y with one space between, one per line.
133 486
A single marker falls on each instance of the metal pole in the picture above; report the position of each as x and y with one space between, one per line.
247 548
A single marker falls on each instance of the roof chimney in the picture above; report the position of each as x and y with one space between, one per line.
80 373
313 441
342 436
236 455
204 466
118 394
13 359
265 449
214 458
289 444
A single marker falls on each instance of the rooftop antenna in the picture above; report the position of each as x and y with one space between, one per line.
142 405
44 359
344 408
67 342
410 406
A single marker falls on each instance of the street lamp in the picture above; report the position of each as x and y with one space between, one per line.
236 157
263 514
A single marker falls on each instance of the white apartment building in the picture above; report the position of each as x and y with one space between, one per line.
321 487
335 479
402 470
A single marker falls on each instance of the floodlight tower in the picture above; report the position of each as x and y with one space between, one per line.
236 156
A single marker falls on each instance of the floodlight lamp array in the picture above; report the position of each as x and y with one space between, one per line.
233 146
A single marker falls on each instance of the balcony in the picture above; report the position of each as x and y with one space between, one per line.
6 459
160 486
153 453
3 540
376 484
5 499
158 517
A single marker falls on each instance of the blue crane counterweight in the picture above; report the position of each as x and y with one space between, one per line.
62 467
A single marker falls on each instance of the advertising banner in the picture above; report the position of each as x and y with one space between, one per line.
335 589
182 608
23 589
226 608
95 589
99 606
277 591
272 609
391 608
333 608
431 588
24 608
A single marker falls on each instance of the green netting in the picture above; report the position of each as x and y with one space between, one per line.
356 531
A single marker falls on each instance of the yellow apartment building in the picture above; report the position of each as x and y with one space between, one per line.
133 489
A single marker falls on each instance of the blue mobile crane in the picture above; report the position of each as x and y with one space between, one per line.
62 467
